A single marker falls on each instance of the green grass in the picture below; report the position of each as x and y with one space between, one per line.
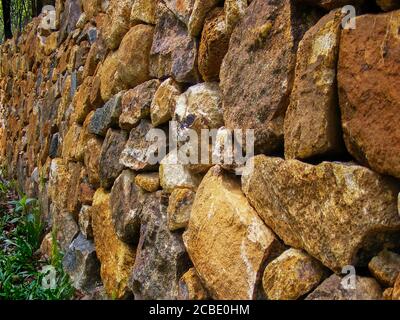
21 232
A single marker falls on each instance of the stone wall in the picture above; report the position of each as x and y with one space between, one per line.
321 194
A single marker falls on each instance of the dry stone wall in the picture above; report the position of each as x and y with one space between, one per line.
320 195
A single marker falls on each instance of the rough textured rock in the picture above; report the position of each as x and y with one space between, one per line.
138 150
258 70
385 267
117 22
174 52
69 18
368 78
85 221
200 107
116 267
164 102
136 104
107 116
182 9
126 207
179 208
69 149
234 12
226 240
65 226
161 257
91 7
148 181
174 175
292 275
144 10
92 155
129 65
200 10
82 265
213 45
339 213
312 122
110 167
332 289
191 288
388 5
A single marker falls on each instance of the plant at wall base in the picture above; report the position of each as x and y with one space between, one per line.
20 265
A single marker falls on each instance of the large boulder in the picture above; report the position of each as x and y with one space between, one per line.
339 213
312 122
226 240
129 65
258 70
368 79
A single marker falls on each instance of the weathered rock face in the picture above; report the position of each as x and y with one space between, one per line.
174 51
69 18
333 289
148 181
126 207
260 63
138 150
175 175
368 78
117 22
85 221
82 264
226 240
200 107
291 275
144 10
339 213
161 257
234 12
312 122
164 102
136 104
200 10
191 288
213 45
179 208
92 156
385 267
116 267
110 167
106 116
129 65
